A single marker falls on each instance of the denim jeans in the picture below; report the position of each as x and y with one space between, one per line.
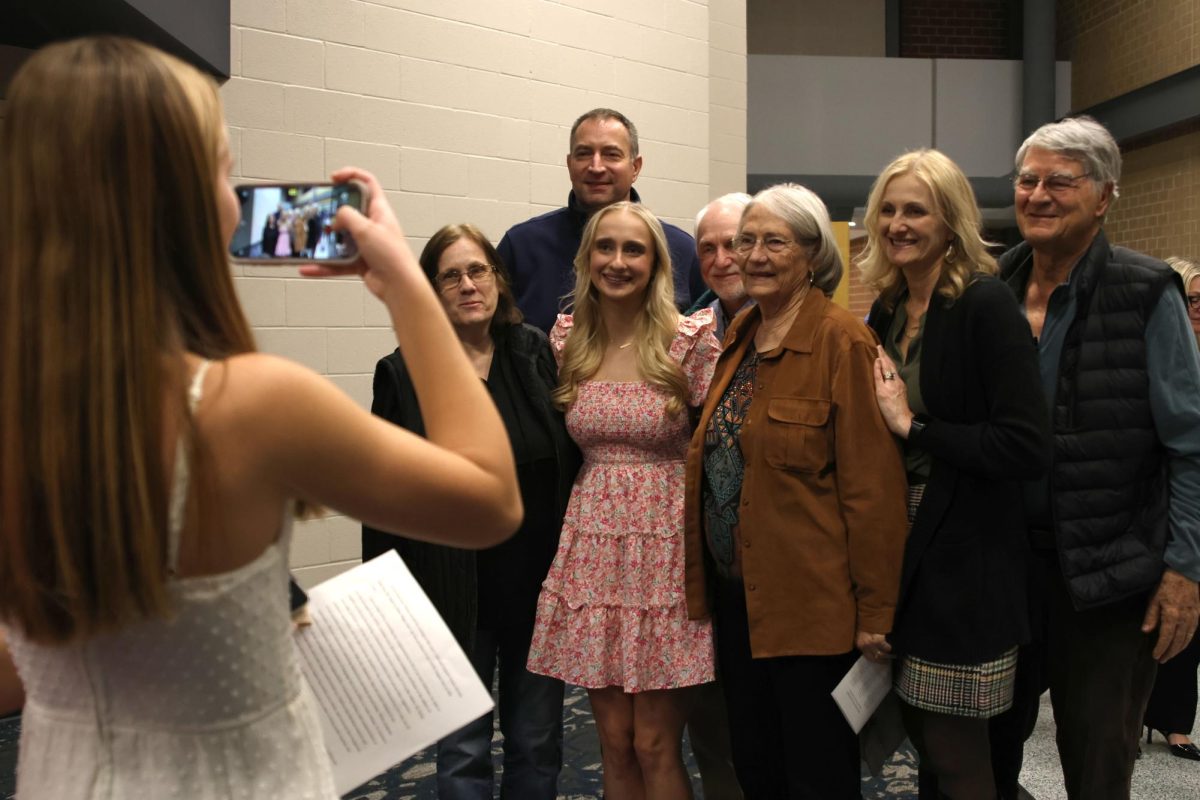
530 709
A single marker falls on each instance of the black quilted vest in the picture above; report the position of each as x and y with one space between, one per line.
1109 476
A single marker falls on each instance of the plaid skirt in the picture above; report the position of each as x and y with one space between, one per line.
979 691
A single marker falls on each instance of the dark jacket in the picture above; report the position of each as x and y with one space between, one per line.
448 574
963 585
1108 480
539 255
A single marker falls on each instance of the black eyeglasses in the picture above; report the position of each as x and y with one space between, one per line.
1193 302
1054 183
480 274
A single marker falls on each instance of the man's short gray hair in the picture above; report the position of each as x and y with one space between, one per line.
601 114
808 220
1084 140
733 199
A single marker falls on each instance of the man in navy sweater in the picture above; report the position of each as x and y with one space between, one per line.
539 253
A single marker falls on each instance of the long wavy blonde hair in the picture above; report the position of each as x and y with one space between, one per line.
112 267
954 203
656 324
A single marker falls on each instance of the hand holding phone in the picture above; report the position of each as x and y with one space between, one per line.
385 260
293 223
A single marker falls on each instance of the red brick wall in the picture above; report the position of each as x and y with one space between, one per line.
955 29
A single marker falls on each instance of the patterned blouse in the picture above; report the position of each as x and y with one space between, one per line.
724 467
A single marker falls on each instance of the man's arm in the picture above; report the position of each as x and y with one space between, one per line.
1173 364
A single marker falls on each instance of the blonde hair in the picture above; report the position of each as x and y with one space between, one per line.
656 325
112 266
954 204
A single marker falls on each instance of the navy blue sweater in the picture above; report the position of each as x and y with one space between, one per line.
540 253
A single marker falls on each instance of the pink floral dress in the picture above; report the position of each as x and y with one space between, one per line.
612 610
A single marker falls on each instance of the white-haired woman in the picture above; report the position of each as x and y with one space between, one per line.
795 507
957 380
611 616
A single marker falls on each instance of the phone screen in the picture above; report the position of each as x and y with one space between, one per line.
294 222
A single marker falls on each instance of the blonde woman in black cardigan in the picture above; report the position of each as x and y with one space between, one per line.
957 381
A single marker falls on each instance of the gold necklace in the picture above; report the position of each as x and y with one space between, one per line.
627 344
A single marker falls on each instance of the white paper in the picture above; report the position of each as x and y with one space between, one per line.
862 690
387 674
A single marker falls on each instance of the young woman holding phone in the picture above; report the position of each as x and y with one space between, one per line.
151 461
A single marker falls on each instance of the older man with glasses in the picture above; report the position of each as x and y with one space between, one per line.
1115 526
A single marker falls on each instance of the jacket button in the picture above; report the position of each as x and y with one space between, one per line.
745 501
751 587
745 542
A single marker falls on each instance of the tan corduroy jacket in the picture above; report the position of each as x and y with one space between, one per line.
822 514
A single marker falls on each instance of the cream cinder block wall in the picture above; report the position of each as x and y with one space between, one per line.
463 111
727 98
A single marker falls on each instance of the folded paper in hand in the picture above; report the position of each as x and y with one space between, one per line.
862 690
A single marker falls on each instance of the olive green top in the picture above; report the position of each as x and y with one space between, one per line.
917 462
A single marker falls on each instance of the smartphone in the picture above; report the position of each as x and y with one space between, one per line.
292 223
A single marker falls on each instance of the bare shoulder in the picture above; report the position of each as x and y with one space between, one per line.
258 395
248 382
257 372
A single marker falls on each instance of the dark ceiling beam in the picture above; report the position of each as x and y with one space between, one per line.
196 31
1166 103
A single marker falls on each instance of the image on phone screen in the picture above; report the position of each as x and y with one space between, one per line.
294 221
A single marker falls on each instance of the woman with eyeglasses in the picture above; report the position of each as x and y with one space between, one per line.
1189 271
1172 707
795 507
489 597
957 382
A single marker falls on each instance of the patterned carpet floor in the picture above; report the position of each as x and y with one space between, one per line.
414 779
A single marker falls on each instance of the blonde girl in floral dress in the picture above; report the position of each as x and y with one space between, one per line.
612 616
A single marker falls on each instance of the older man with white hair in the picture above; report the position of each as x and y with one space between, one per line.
720 267
1115 525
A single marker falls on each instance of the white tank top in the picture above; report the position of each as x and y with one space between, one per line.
207 704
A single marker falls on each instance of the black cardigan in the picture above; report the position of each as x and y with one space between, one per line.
448 574
963 584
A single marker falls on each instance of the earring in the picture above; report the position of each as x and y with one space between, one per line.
950 254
